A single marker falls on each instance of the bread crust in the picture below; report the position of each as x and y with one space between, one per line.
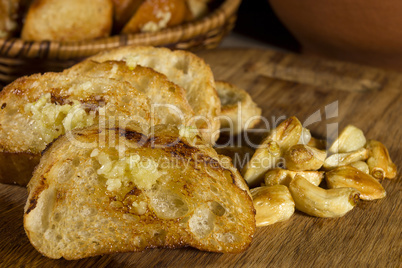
201 187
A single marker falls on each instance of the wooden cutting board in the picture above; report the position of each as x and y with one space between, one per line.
283 85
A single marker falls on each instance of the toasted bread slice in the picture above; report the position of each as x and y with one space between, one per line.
37 109
8 17
155 15
72 20
186 70
239 111
144 190
169 103
198 8
123 11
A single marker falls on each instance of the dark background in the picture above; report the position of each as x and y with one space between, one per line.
258 21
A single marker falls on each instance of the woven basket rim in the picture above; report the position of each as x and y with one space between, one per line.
18 48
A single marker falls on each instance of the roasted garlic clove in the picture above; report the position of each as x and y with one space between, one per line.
317 143
302 157
348 176
267 155
343 159
350 139
287 133
272 204
238 154
379 161
361 165
305 136
285 176
316 201
265 158
391 171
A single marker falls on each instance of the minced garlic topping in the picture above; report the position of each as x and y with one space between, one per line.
51 120
143 172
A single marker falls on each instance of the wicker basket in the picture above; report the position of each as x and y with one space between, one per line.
19 57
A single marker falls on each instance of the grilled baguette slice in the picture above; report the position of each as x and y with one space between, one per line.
123 11
155 15
72 20
169 103
239 111
198 8
35 110
138 190
184 69
9 17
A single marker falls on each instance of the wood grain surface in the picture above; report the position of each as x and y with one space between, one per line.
283 85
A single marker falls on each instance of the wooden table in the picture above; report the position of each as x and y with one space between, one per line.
283 85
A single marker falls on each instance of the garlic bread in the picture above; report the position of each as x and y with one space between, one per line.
123 11
121 190
184 69
72 20
168 100
239 111
155 15
35 110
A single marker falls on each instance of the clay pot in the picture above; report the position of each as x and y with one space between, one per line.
362 31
